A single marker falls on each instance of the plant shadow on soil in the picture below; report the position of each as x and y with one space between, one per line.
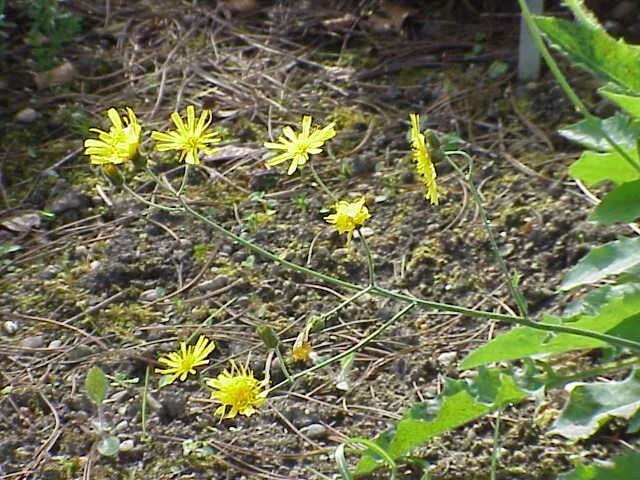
137 281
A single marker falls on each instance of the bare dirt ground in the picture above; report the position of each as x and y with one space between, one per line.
107 281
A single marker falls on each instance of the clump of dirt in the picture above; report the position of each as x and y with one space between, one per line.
108 281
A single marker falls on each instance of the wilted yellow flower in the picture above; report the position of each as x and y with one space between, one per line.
190 138
424 165
119 144
238 391
301 352
182 363
298 146
348 216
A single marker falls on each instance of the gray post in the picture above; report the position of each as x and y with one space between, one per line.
528 55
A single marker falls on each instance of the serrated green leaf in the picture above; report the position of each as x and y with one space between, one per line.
461 402
96 385
621 467
611 258
591 405
108 446
594 50
623 130
583 14
620 205
619 313
593 167
592 301
627 101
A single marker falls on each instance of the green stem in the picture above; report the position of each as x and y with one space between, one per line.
348 351
513 288
141 199
382 292
370 264
560 381
564 84
321 183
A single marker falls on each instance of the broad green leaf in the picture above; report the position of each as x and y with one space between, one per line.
461 402
108 446
620 205
627 101
618 317
96 385
591 405
623 130
594 50
621 467
592 301
593 167
611 258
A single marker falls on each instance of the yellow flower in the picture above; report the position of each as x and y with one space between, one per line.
297 146
424 165
190 138
301 352
348 216
182 363
238 391
119 144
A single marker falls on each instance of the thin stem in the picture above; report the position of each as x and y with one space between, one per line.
183 183
382 292
321 183
348 351
513 288
370 264
560 381
496 444
141 199
564 84
143 407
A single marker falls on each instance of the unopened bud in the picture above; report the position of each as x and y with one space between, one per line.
268 336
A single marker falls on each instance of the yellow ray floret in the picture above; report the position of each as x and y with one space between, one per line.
182 363
188 138
119 144
348 216
424 165
298 146
238 392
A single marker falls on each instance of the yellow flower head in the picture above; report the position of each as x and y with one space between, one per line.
119 144
301 352
348 216
182 363
424 165
189 138
238 391
298 146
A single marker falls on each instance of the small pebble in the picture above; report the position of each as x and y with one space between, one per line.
127 446
10 327
447 358
315 431
34 341
120 427
79 352
27 115
150 295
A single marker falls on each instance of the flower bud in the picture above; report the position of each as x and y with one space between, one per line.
268 336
